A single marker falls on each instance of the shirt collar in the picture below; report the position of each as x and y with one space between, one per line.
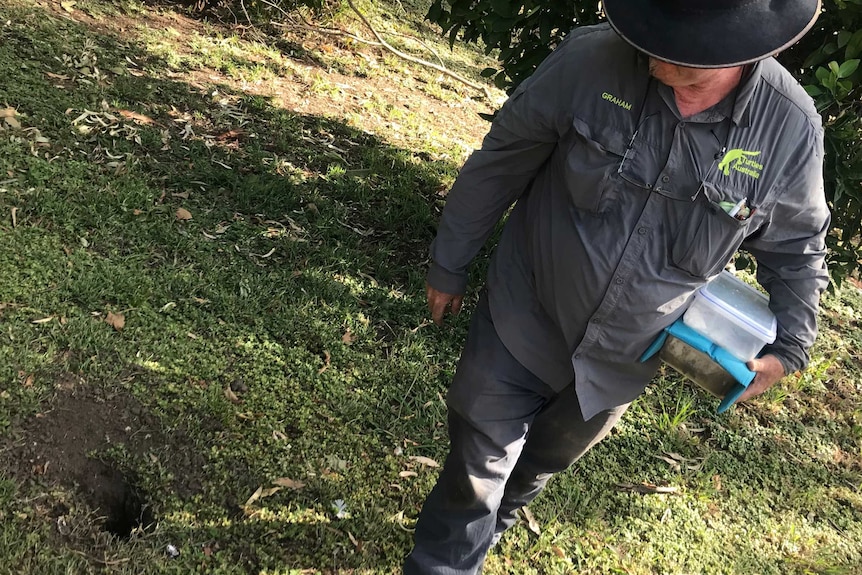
742 114
721 111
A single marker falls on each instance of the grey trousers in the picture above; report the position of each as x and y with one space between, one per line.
509 433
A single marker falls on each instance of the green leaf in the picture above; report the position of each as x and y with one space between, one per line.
453 36
833 67
854 46
813 90
847 68
546 24
435 11
504 8
814 59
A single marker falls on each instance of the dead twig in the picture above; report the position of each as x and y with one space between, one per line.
382 43
648 488
419 61
306 25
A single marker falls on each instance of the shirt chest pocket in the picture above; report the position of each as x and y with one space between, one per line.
590 157
710 230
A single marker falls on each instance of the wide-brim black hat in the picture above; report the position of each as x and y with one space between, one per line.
711 33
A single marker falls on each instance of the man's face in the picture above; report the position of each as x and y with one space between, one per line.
678 76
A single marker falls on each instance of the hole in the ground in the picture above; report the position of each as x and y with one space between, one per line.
121 503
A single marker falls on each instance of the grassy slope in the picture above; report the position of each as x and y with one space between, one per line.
298 281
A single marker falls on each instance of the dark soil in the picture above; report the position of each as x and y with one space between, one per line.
67 445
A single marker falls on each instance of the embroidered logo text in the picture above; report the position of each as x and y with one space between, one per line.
614 100
741 161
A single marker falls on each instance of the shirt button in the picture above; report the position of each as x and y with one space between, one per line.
597 320
682 124
665 179
577 356
642 231
619 281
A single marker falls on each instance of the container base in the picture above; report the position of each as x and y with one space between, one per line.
697 367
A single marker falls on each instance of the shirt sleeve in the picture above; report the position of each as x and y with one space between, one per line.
522 137
791 251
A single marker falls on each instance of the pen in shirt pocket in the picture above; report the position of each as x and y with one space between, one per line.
739 210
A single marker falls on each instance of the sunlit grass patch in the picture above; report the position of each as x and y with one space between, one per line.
268 267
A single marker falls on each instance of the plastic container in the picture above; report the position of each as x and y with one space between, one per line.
733 315
697 366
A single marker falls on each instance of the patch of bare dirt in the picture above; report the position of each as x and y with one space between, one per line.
67 444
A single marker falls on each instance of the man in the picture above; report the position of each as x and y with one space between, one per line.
642 154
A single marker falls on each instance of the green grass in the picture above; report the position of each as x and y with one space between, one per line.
281 333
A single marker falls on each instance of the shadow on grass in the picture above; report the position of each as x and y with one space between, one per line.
267 267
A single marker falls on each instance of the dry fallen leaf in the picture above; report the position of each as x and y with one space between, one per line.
183 214
269 491
408 474
327 358
140 118
29 381
68 5
672 462
9 117
424 460
648 488
348 337
230 135
558 552
289 483
228 393
43 320
116 320
532 524
356 543
254 496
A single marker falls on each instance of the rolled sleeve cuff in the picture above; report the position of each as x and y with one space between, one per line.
790 361
445 281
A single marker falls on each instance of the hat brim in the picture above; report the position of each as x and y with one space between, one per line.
711 38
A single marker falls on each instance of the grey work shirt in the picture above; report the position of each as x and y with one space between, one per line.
605 246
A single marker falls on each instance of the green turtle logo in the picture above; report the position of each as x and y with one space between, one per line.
740 160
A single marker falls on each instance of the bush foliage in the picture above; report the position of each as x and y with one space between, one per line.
826 62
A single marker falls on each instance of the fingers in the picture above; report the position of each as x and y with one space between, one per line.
439 301
755 388
437 306
755 365
768 370
456 302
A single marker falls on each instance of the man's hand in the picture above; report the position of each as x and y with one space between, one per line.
768 369
438 302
